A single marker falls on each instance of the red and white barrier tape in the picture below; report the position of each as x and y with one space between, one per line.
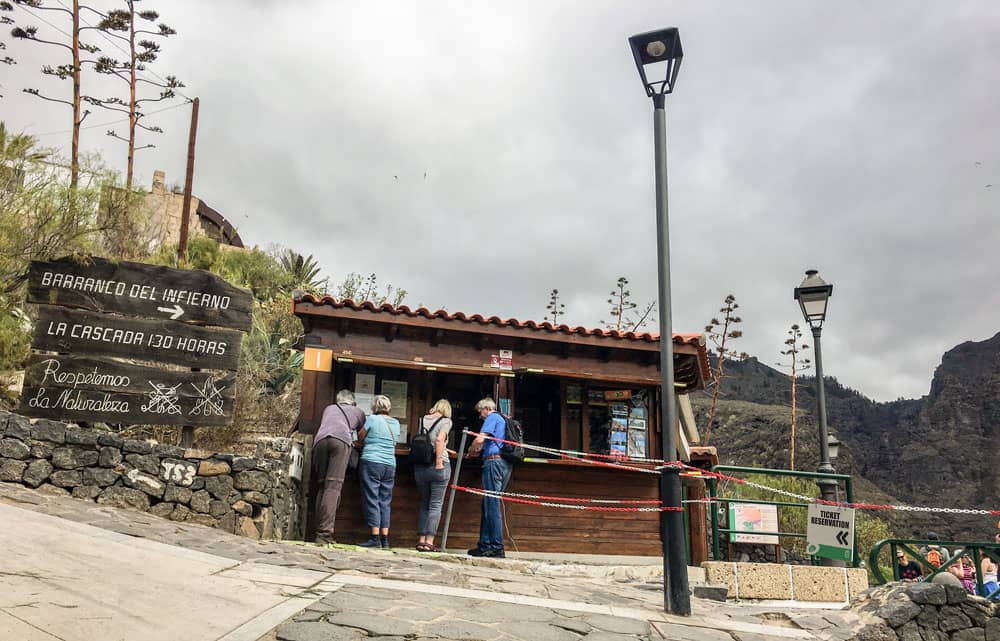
578 499
584 457
503 496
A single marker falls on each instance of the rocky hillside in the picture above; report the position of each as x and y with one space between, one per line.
940 450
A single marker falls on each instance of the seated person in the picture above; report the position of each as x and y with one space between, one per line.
908 570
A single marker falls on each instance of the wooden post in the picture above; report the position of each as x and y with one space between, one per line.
697 521
188 179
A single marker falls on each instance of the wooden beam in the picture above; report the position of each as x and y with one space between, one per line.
390 332
525 345
342 327
437 337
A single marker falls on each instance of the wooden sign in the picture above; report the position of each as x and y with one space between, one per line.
317 359
138 289
100 389
58 329
163 406
108 375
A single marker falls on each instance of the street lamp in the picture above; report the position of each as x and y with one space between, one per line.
658 59
832 446
813 296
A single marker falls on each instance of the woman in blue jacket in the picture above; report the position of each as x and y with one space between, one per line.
377 470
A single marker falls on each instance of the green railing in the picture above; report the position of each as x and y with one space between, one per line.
975 550
728 469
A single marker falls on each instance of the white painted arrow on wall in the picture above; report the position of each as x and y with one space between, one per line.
175 312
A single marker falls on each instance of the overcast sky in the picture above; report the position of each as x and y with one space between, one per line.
479 154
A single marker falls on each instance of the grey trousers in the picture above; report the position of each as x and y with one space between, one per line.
432 485
329 465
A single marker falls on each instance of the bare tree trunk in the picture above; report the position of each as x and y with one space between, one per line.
718 382
74 174
131 104
792 449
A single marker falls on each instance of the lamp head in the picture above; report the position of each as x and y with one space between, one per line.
813 295
658 58
832 446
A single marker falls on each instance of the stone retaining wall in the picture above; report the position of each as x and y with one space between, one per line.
787 582
927 612
251 496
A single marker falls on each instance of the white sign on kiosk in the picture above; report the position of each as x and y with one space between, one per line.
830 532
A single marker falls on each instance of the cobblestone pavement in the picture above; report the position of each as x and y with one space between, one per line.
345 592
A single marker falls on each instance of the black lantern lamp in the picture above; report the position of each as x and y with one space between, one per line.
813 295
661 46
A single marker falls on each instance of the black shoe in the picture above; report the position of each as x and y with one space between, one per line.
489 554
373 542
322 540
384 542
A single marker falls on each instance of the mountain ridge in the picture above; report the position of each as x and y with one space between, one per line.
937 451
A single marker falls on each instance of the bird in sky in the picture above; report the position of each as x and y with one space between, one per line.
396 177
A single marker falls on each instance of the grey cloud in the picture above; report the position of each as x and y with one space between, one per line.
837 136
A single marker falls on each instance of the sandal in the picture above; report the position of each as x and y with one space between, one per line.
430 547
422 547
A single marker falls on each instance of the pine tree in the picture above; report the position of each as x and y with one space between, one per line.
793 346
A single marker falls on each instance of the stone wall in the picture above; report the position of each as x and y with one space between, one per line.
787 582
253 496
927 612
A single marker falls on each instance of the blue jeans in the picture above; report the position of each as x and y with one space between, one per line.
431 483
377 481
496 475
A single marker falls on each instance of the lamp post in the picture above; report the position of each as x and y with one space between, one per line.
813 295
659 52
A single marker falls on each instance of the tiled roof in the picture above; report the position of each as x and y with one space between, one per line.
697 340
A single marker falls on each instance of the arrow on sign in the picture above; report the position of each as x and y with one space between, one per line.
175 312
842 537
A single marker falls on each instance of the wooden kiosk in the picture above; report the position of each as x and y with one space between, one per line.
567 385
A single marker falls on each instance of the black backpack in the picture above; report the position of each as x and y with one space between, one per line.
422 449
513 454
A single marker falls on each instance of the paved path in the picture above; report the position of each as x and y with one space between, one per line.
73 570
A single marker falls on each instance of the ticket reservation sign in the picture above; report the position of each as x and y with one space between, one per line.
95 319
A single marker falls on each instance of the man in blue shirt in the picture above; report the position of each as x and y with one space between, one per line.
496 475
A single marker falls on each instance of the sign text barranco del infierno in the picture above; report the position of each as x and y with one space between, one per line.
86 322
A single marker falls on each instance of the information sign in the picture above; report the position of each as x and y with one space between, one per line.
138 289
76 331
